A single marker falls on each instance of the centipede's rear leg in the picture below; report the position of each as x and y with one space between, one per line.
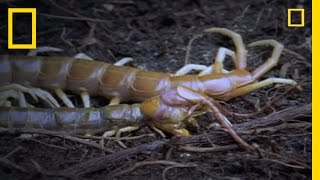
5 95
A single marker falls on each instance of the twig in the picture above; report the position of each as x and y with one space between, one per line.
56 134
114 138
278 128
8 163
286 164
297 55
287 159
72 18
100 163
258 19
12 152
39 169
176 166
284 70
145 163
76 14
63 33
208 149
50 145
275 118
186 59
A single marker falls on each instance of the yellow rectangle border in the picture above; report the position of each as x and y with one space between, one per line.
33 44
302 17
315 90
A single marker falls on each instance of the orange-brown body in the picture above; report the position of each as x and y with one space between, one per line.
100 78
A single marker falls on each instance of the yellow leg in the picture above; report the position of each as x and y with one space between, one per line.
107 134
158 131
115 101
173 129
221 56
85 99
125 129
188 68
272 61
241 52
64 98
246 89
190 121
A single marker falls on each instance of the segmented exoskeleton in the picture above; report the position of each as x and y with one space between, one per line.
132 84
72 120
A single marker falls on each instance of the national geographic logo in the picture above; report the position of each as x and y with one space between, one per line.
11 12
297 11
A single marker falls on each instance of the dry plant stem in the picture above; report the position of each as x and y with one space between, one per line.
145 163
76 14
12 152
280 127
72 18
49 145
304 60
300 164
208 149
55 134
186 59
286 164
5 162
115 138
100 163
176 166
275 118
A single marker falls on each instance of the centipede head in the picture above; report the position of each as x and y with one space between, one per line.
171 110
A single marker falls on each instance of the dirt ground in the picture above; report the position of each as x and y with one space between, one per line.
156 34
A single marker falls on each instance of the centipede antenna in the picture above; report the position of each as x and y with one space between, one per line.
241 52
